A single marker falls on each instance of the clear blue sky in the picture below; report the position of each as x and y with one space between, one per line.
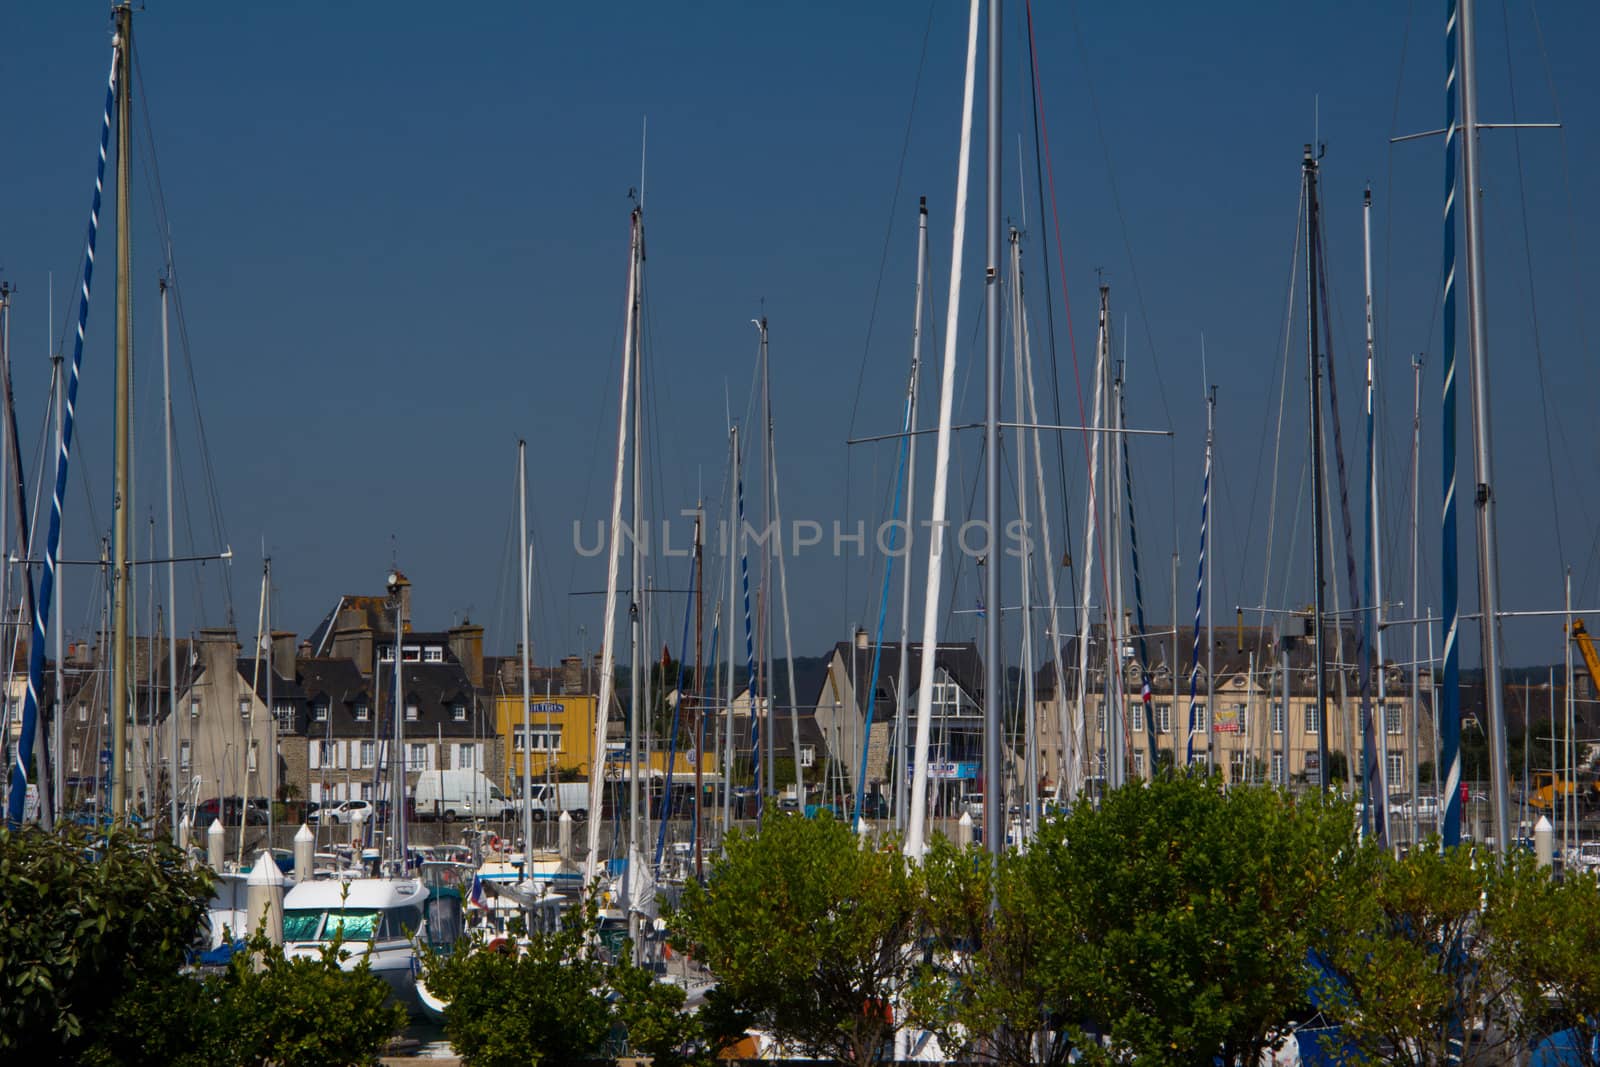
401 236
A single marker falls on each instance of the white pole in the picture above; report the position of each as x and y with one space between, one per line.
1090 522
916 826
1377 533
607 647
527 657
1031 748
903 697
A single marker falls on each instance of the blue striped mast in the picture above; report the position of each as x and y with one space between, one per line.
41 611
1200 580
1449 698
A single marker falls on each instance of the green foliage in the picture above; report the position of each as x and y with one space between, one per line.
93 936
546 1004
809 932
301 1012
89 929
1175 919
1545 936
1407 960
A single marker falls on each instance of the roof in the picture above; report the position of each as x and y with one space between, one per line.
960 660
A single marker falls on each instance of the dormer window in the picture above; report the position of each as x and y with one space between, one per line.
411 710
385 653
363 711
433 654
319 711
458 712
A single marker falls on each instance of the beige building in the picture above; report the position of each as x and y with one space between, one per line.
1242 723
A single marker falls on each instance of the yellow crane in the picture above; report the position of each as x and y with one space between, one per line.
1546 786
1591 659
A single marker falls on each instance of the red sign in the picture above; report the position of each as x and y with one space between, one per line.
1465 796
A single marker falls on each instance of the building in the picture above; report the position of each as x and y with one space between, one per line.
1242 722
955 757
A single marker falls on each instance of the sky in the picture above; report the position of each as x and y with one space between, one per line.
400 240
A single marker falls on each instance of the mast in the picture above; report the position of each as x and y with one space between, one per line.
1374 534
608 652
993 784
1090 525
527 659
172 602
1021 382
699 684
637 715
1448 704
397 763
1482 443
59 388
734 536
1309 168
1211 637
120 546
915 832
1416 676
903 697
1116 725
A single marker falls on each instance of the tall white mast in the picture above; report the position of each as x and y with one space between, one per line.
733 542
527 661
1376 534
1021 383
916 824
1085 625
994 807
608 652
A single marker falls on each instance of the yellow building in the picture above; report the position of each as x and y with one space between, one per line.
561 727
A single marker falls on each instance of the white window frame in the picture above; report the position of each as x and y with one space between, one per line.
413 711
467 757
1136 716
1277 717
77 758
368 754
83 712
1198 715
385 653
363 711
416 756
319 711
433 654
1393 719
245 704
185 757
1164 718
808 755
458 712
1277 769
253 752
1313 719
1397 768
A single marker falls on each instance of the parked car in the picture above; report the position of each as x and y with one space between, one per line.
233 811
342 812
1424 807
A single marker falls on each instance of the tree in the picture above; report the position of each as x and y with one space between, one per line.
544 1004
1409 976
301 1012
810 933
1544 935
983 979
1172 924
88 928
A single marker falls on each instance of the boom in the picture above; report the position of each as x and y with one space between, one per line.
1591 660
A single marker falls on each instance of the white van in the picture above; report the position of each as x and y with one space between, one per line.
451 795
550 800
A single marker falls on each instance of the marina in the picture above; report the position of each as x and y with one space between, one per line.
898 744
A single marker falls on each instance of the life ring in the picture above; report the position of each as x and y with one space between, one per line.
494 842
499 944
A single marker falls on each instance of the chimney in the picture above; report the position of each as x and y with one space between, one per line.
572 675
466 643
283 653
401 586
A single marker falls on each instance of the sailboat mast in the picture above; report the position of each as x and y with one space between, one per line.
120 547
1374 533
608 654
1482 443
733 613
1416 673
903 697
172 602
527 656
1309 166
993 782
1020 384
768 685
700 687
637 715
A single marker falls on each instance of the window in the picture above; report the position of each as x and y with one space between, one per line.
252 765
366 792
433 654
467 757
245 703
1277 716
363 711
410 653
1100 721
1277 769
319 711
458 712
1397 768
1242 716
366 753
1163 718
411 710
1136 716
808 755
1313 719
416 757
1197 719
1138 763
385 653
1391 718
183 757
77 758
545 739
1238 767
326 751
284 713
83 711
